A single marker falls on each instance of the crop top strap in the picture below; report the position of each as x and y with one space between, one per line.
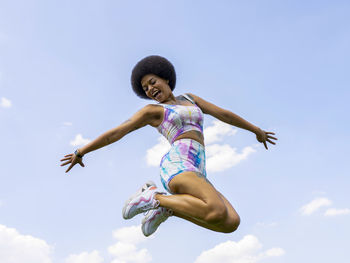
188 98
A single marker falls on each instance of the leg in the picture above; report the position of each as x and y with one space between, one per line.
196 200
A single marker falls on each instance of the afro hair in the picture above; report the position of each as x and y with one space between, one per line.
156 65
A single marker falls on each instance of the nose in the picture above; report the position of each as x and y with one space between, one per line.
151 88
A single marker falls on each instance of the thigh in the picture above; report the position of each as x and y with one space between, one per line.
195 184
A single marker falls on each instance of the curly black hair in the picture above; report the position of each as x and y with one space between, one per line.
156 65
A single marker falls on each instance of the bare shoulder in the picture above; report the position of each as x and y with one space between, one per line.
153 113
207 107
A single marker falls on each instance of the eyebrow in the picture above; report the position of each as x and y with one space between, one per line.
147 81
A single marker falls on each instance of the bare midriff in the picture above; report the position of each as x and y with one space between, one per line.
194 135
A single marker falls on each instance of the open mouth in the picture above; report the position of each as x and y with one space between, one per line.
156 94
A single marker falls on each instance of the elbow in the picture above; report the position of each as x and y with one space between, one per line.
112 137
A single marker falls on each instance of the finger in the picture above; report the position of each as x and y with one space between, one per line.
68 155
63 164
65 159
265 145
70 167
270 133
81 164
269 136
270 141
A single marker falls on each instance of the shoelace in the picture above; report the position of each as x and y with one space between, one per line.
149 207
164 215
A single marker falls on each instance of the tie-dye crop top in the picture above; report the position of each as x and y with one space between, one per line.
179 119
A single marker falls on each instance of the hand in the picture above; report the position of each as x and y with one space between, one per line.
73 160
263 137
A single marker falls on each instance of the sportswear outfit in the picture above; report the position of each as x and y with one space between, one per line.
184 155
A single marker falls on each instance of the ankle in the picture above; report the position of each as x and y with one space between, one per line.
157 196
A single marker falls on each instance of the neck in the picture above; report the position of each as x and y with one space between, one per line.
170 100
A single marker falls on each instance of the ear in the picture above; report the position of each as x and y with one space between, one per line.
167 81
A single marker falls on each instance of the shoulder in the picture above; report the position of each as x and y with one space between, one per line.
153 113
206 106
151 109
196 99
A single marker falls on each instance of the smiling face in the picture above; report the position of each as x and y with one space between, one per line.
156 88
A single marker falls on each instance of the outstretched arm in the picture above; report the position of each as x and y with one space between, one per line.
140 119
233 119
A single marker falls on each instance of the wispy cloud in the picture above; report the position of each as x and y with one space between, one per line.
337 212
5 103
17 247
125 250
315 205
246 250
85 257
79 140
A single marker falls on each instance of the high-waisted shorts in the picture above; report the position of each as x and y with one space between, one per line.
184 155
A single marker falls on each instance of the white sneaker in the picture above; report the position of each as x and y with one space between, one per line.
153 219
142 201
141 189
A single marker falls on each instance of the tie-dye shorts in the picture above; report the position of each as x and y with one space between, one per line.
184 155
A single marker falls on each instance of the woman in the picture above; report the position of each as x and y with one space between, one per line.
182 169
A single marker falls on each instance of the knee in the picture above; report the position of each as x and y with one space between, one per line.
217 214
231 225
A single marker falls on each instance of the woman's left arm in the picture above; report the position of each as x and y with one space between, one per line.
233 119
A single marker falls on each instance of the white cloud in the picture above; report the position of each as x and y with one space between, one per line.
15 247
222 157
246 250
130 234
85 257
5 103
314 205
125 250
155 154
217 131
337 212
79 140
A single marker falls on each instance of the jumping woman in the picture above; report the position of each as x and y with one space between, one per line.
182 169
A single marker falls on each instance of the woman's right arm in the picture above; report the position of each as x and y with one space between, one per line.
147 115
140 119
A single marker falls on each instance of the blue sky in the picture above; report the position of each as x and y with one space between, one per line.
65 71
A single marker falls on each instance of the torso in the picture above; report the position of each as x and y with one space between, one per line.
159 116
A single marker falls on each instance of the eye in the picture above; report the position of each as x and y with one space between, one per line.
153 81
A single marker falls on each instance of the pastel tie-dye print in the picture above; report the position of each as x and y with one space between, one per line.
184 155
179 119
